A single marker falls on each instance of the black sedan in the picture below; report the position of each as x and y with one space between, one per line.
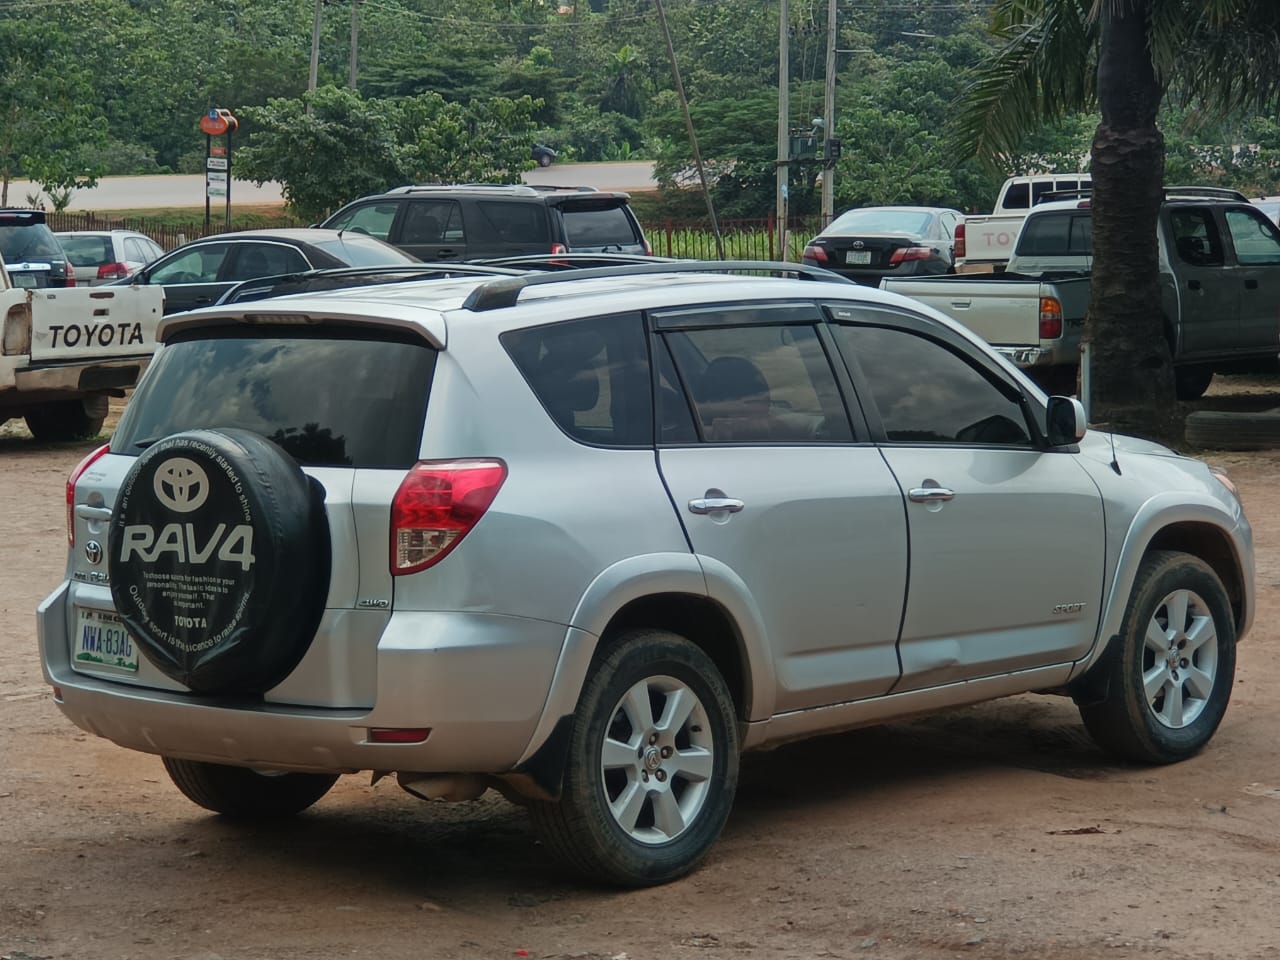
868 244
196 274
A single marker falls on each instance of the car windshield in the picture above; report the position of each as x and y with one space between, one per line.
880 221
86 250
361 251
36 242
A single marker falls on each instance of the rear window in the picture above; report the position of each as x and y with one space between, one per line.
356 251
596 226
89 251
1057 235
913 222
327 397
31 242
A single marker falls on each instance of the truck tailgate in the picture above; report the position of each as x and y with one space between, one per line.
1005 313
94 323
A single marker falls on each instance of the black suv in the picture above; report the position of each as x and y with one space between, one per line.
32 255
472 221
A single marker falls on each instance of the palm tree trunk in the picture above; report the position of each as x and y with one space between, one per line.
1132 378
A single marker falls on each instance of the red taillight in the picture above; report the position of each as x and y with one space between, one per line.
1050 318
814 252
112 271
559 248
907 254
399 734
648 249
72 479
436 506
959 244
71 274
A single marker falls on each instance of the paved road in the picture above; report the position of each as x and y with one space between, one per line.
136 193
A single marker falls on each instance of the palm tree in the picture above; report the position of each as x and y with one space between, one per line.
1123 57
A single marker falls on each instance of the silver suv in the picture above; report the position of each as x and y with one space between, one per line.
585 537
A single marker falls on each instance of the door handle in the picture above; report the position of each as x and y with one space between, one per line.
961 304
1193 284
930 494
1251 283
92 513
715 505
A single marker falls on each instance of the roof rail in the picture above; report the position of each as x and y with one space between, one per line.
1208 193
1064 195
519 189
505 291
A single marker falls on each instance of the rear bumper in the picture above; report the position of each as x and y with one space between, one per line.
20 380
477 681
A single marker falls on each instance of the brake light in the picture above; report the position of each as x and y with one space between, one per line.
112 271
71 274
1050 318
959 242
72 479
438 504
907 254
559 248
814 252
648 248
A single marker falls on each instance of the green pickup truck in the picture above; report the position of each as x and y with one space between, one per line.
1219 288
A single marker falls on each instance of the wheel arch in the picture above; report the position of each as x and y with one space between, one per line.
1201 529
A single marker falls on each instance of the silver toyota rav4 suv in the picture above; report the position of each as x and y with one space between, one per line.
585 537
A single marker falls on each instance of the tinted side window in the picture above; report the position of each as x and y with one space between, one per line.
375 219
1255 238
591 376
197 265
760 384
328 399
1017 197
515 223
597 226
255 260
925 393
1195 236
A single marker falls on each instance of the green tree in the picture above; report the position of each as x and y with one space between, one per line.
345 146
1123 57
48 131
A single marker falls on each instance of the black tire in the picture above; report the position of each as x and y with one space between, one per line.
66 420
218 552
581 828
245 793
1234 430
544 160
1190 381
1195 671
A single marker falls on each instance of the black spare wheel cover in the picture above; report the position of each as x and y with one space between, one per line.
219 559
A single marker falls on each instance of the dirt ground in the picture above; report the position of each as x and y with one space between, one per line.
995 831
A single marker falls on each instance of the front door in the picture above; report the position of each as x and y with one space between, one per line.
1006 538
784 504
1208 300
1257 277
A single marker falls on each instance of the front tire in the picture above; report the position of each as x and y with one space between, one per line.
245 793
652 765
1169 678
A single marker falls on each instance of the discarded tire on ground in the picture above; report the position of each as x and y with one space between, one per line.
1232 430
219 560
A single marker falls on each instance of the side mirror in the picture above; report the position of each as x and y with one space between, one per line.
1066 422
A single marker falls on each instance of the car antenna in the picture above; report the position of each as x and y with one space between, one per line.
1115 463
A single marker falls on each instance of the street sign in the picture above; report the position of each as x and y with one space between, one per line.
215 163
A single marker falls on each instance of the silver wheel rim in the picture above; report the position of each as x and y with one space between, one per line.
656 760
1179 659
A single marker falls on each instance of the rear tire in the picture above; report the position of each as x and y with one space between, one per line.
245 793
652 765
1168 677
68 419
1190 382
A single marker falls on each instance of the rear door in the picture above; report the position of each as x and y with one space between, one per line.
430 229
1007 543
781 495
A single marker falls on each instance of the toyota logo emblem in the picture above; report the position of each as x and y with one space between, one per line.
93 551
181 485
857 244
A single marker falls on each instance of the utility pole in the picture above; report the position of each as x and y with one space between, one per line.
829 119
783 162
355 40
688 125
315 49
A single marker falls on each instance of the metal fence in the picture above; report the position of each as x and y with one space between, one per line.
757 239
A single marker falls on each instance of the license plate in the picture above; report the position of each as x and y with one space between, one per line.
102 640
858 256
23 279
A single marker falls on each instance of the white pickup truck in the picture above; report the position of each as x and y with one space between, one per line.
984 243
64 351
1219 289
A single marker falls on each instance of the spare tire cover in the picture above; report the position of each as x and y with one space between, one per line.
219 557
